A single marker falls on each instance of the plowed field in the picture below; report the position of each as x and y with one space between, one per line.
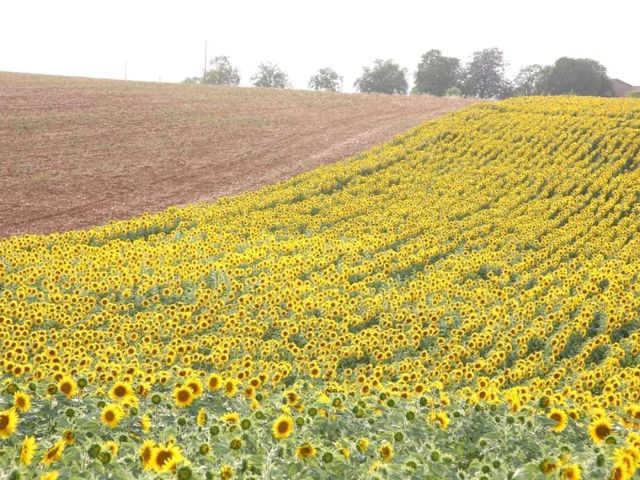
79 152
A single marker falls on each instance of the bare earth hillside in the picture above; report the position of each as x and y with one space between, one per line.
78 152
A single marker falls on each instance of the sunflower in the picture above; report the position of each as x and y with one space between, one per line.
121 391
27 450
201 418
291 396
68 386
634 452
626 460
306 450
165 458
548 466
196 386
111 447
600 429
226 472
183 396
633 440
619 472
560 418
54 453
282 427
146 454
230 418
386 451
145 423
22 401
214 382
442 419
8 422
571 472
345 452
230 387
50 475
362 445
111 415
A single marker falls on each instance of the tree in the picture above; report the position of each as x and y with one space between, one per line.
436 74
270 75
531 80
326 79
192 80
453 92
577 76
386 76
221 72
484 75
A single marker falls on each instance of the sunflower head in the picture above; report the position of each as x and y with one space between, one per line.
8 422
196 386
306 450
201 418
121 391
230 387
22 401
362 445
560 418
111 447
548 466
624 458
230 418
226 472
571 472
27 450
54 453
282 427
441 419
111 415
68 386
145 423
146 454
214 382
165 458
183 396
386 451
600 429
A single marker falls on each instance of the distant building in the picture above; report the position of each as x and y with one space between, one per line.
622 89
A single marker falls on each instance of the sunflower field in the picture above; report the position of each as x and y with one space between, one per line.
462 302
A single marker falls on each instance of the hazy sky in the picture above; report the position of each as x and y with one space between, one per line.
165 39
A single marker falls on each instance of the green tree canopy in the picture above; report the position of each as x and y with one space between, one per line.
484 75
221 72
577 76
386 76
270 75
530 80
436 73
192 80
326 79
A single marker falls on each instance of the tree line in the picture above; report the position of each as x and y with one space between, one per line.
483 76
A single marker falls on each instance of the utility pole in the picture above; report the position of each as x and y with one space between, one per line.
204 74
125 70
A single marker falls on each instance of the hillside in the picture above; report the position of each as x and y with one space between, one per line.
79 152
461 302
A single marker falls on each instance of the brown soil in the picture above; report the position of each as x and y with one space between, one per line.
79 152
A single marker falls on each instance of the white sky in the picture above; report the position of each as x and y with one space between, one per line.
165 39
